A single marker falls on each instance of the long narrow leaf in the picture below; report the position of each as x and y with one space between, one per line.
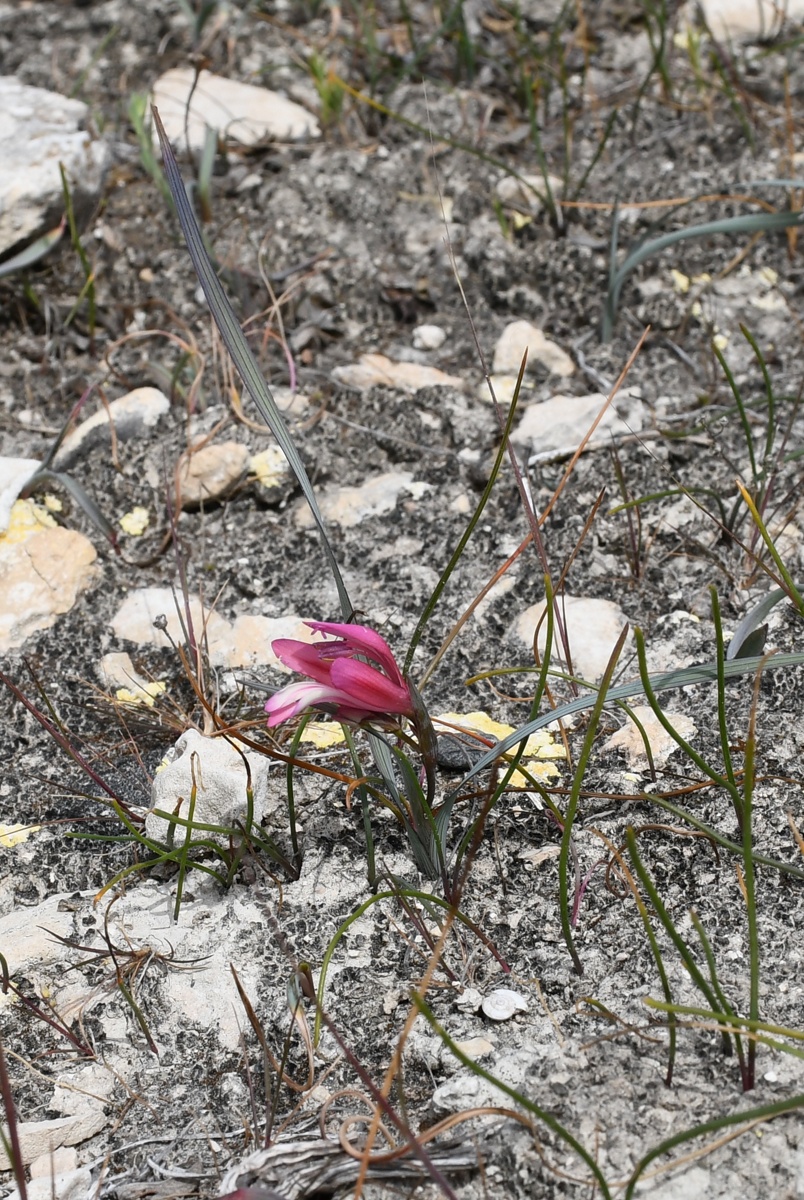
754 223
240 351
685 677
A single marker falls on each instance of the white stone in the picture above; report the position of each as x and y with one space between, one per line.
693 1184
244 642
520 336
117 671
429 337
130 416
555 428
592 626
134 619
26 935
525 193
60 1185
210 474
215 769
459 1094
43 570
502 1004
504 388
14 474
61 1160
271 469
662 745
375 370
469 1000
476 1047
38 130
38 1138
746 19
348 506
239 112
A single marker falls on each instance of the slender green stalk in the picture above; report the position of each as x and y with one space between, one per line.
426 899
725 741
792 590
457 553
572 806
241 354
734 1022
686 956
541 1114
88 289
698 759
745 1116
749 877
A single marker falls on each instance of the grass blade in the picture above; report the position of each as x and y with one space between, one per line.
685 677
240 351
577 781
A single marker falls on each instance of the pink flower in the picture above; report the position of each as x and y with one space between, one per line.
340 680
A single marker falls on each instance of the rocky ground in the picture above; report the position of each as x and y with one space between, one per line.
496 146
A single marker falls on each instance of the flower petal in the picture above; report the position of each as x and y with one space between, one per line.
296 697
369 688
359 639
304 657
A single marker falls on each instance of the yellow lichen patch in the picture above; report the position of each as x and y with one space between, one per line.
539 745
547 772
52 503
681 282
135 522
145 693
12 835
323 734
270 467
27 518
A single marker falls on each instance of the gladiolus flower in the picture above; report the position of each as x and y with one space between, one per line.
352 675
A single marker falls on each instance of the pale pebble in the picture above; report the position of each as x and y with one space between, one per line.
593 627
375 370
521 336
555 428
239 112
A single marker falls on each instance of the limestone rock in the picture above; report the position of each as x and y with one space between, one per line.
117 671
746 20
60 1185
520 336
211 473
524 194
429 337
38 130
348 506
593 627
271 470
239 112
43 570
38 1138
244 642
662 745
130 415
216 769
14 474
375 370
556 427
134 619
